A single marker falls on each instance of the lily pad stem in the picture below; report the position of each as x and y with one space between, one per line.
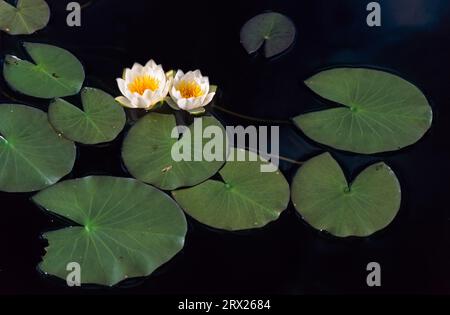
251 118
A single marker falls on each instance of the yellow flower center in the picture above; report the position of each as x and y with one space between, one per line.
143 83
189 89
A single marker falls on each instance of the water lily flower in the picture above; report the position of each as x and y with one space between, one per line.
144 86
190 91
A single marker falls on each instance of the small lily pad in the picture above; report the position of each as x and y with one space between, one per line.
121 229
54 73
381 111
32 155
274 30
147 152
326 201
247 198
27 17
101 120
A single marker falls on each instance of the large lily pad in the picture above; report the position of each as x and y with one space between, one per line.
320 193
101 120
274 30
247 198
32 155
54 73
27 17
122 228
147 152
381 112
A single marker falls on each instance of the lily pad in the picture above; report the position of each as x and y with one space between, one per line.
27 17
381 111
121 229
326 201
274 30
32 155
54 73
101 121
147 152
247 198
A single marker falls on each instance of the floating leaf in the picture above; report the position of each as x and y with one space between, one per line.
27 17
147 152
32 155
56 72
122 228
101 121
382 112
320 193
247 198
274 30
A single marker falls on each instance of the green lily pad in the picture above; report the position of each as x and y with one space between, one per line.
247 198
147 152
381 111
55 72
101 121
326 201
274 30
32 155
27 17
122 228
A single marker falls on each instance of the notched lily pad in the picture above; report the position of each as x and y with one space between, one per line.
326 201
101 119
122 229
54 73
27 17
381 111
147 151
247 198
32 155
273 30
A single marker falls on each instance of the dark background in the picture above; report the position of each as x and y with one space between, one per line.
287 256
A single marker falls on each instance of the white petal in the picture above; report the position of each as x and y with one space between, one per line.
178 76
175 94
181 103
167 86
137 68
128 75
197 74
189 76
122 86
151 64
193 103
204 80
124 102
160 75
204 87
208 98
149 95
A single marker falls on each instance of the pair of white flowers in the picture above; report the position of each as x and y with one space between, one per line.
146 86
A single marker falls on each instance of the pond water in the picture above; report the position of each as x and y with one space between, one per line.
287 256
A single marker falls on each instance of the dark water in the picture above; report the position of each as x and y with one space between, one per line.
287 256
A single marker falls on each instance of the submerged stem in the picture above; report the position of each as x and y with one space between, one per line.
279 157
286 122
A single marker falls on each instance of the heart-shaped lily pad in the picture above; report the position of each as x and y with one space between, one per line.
148 147
274 30
247 198
27 17
54 73
122 228
320 193
32 155
381 112
101 121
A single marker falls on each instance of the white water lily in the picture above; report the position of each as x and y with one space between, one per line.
191 91
144 86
